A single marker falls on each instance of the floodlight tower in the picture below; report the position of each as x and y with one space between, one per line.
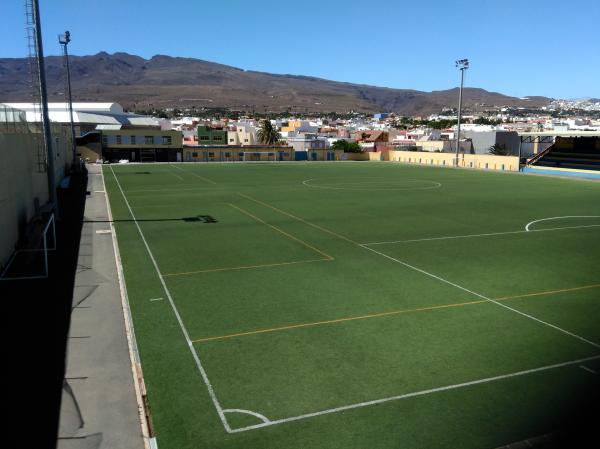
36 56
64 40
462 64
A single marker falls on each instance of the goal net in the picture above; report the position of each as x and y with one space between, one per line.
31 260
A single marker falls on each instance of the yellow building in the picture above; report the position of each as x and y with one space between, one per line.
135 145
292 126
232 153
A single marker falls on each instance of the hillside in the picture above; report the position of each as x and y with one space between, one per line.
165 81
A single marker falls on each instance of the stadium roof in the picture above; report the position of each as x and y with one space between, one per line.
99 113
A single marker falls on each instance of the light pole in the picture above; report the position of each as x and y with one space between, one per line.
462 64
64 40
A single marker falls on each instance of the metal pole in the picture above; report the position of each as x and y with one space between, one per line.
65 42
519 161
44 105
462 77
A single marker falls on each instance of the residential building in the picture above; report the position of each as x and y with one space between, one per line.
241 135
135 145
209 135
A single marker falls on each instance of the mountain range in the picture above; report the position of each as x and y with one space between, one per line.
165 81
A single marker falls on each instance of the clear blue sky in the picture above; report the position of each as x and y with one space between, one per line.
517 47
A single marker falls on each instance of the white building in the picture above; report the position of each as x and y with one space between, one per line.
241 135
86 116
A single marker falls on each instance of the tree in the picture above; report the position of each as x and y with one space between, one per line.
499 149
347 147
486 121
267 134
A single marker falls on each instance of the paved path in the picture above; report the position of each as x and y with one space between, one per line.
99 406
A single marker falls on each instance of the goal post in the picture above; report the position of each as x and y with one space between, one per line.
32 262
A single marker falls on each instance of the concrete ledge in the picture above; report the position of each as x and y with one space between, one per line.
101 403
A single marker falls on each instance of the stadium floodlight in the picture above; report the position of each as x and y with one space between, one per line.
64 39
462 65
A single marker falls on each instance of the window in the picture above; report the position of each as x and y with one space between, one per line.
211 154
166 140
231 140
227 154
217 138
194 154
104 141
204 138
118 140
149 140
245 140
132 140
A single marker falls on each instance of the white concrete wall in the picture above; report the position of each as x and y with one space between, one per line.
21 183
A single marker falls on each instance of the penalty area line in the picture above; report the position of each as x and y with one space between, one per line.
460 287
415 394
194 174
479 235
281 231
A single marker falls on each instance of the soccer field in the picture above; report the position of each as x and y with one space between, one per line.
353 305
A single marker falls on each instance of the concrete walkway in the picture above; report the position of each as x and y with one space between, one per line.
100 401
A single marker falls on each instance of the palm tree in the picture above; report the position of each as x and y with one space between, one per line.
499 149
267 134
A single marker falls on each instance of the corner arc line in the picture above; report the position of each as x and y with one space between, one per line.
558 218
263 418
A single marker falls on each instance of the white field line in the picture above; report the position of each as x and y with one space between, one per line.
194 174
263 418
156 299
211 391
479 235
558 218
531 317
414 394
175 174
589 370
434 390
134 355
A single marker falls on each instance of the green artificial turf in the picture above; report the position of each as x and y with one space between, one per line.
310 290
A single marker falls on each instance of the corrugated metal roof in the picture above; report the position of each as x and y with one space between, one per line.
100 113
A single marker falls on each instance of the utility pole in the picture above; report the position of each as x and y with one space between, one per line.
462 64
64 40
44 103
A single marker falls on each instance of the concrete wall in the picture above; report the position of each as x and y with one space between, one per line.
356 156
21 182
479 161
483 140
235 154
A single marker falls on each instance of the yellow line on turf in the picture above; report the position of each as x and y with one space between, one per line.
213 270
327 256
550 292
393 312
298 218
339 320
